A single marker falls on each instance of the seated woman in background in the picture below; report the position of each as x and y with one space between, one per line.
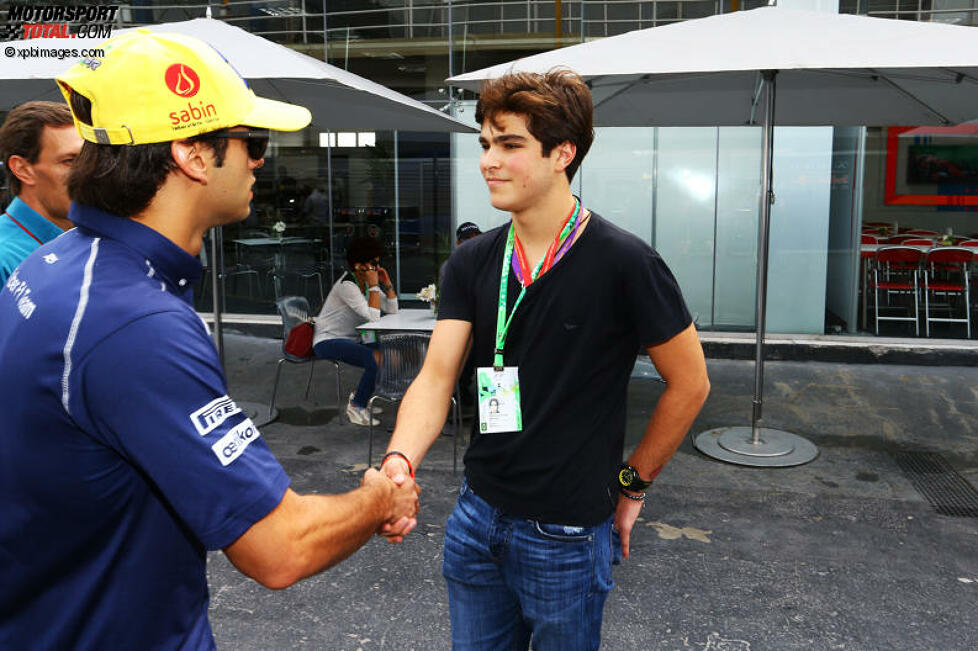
358 296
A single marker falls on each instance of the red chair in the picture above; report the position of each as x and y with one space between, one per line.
973 270
295 310
897 271
953 262
871 240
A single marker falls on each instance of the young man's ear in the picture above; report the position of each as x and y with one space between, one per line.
566 151
191 159
21 168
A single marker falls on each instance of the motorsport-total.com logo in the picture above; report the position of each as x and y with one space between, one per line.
26 21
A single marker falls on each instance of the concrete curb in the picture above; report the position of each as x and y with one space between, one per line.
838 349
843 349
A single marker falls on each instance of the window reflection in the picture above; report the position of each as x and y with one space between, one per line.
286 245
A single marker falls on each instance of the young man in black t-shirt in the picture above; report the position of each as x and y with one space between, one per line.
555 306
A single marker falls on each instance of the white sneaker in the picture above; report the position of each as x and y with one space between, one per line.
373 410
359 415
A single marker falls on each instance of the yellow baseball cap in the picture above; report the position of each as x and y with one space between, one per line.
155 87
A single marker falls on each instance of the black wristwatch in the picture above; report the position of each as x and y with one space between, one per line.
629 479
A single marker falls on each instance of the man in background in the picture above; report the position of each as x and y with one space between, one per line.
466 231
466 380
316 207
38 143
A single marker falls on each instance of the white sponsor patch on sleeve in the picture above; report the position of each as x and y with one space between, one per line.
233 444
211 415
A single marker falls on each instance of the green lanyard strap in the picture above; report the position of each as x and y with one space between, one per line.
502 321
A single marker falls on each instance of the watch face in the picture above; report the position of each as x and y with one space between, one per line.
626 476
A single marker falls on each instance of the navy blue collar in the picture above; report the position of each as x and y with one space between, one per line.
169 260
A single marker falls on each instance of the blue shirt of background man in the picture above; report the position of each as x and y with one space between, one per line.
121 457
15 243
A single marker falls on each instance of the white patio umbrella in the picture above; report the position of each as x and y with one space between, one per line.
338 100
824 69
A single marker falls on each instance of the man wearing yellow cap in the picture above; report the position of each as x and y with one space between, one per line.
122 458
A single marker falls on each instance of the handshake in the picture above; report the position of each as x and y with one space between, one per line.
398 493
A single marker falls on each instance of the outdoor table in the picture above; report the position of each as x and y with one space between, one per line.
274 241
402 321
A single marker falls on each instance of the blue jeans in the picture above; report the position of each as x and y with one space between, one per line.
510 579
354 354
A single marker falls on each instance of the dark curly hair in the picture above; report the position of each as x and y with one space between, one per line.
363 249
123 179
557 107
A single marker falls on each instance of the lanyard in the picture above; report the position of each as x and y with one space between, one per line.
502 322
23 227
361 286
519 260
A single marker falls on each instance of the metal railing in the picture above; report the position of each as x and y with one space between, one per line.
964 16
466 22
301 21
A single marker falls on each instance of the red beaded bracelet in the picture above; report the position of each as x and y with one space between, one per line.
395 453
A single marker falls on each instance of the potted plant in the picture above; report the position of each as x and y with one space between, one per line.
429 295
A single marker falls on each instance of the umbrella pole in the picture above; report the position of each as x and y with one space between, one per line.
763 248
329 186
259 413
757 445
217 291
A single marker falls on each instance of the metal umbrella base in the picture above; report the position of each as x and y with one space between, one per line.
258 412
773 449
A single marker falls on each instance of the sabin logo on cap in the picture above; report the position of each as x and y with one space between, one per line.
182 80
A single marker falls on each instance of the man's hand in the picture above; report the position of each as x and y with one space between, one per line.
403 503
383 278
370 276
397 470
306 534
625 516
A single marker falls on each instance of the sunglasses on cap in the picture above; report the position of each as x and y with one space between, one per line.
256 140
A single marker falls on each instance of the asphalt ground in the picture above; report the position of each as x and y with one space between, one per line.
840 553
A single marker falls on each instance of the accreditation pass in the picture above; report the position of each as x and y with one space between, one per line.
499 400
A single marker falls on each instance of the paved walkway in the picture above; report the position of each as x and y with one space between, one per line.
842 553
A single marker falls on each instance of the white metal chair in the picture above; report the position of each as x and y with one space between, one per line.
403 357
896 271
294 310
947 274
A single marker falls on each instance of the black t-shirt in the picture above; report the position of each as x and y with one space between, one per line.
574 338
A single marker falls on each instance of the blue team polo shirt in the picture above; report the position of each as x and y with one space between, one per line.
17 243
122 459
